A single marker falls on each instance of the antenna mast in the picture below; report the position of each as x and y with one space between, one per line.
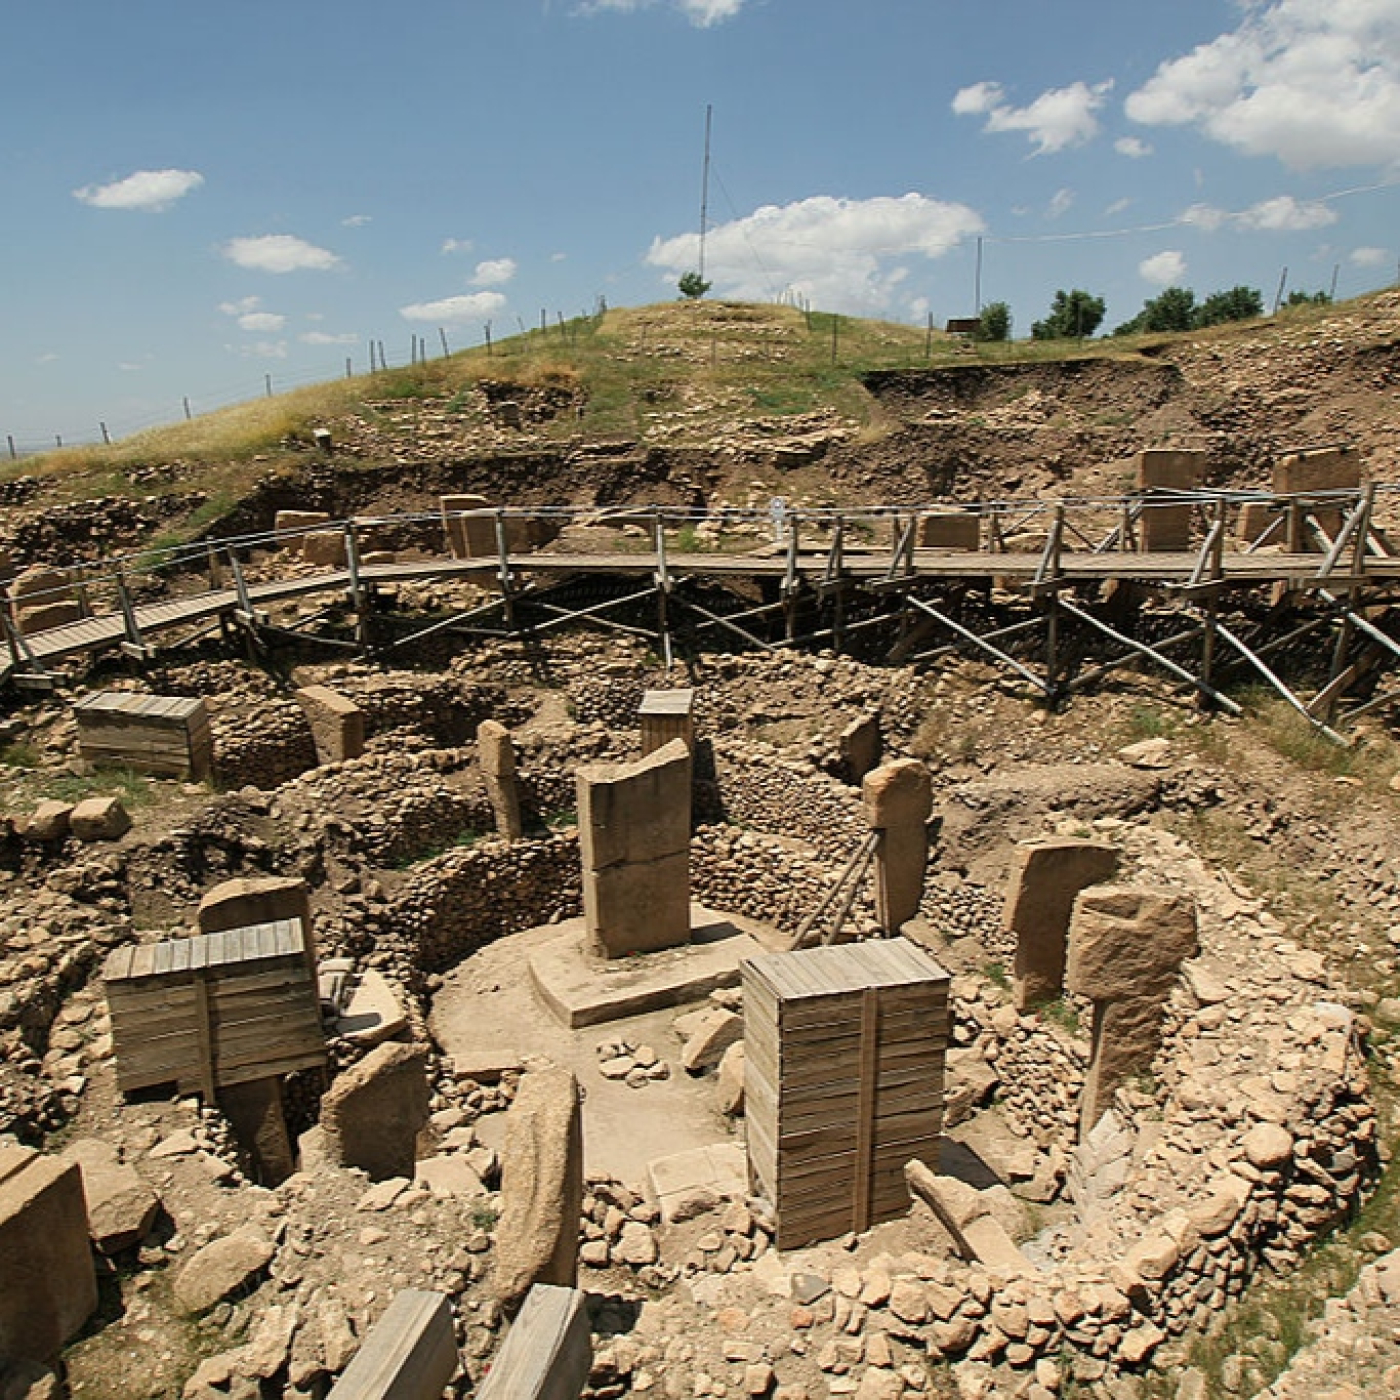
705 190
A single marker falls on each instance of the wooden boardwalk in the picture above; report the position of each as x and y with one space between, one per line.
1341 576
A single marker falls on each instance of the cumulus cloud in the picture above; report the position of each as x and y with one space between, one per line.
149 190
1369 257
1134 147
326 338
1282 214
1313 83
456 311
701 13
1057 119
494 272
1164 269
279 252
841 254
249 317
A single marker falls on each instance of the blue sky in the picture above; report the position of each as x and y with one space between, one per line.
203 196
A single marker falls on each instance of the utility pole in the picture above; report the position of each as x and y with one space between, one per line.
705 189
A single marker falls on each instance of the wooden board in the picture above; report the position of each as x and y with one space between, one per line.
409 1354
547 1353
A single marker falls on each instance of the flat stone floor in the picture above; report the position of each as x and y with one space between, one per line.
489 1014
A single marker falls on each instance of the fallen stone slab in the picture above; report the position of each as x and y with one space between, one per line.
121 1206
687 1184
965 1214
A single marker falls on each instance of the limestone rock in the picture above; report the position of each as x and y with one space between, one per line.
541 1186
221 1268
121 1206
373 1113
99 819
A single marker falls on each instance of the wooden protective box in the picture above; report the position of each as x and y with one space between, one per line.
215 1009
843 1081
166 735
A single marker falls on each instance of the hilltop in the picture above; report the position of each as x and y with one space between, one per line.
716 403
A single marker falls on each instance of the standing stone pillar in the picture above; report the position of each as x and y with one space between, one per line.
337 723
1165 525
634 834
468 536
1126 947
898 802
1045 878
496 754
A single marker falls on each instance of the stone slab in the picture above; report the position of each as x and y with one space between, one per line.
719 1172
585 990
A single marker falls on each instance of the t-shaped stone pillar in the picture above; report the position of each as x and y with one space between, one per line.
496 754
1045 877
898 800
634 831
1126 947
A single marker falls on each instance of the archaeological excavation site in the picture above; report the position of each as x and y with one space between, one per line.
882 904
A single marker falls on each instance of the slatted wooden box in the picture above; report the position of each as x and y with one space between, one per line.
843 1081
665 715
213 1010
167 735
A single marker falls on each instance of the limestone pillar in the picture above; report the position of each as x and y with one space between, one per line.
1165 526
634 835
496 755
337 723
1126 947
468 536
1045 878
898 802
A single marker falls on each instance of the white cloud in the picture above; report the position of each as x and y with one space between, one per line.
1312 82
701 13
1164 269
279 252
456 245
838 253
494 272
456 311
1057 119
245 312
1134 147
325 338
1118 206
1061 203
262 350
356 221
1282 214
148 190
1369 257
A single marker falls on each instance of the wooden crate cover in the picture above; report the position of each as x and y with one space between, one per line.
162 734
844 1051
216 1009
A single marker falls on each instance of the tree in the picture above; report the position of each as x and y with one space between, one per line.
1237 304
1073 316
1300 298
995 322
1171 310
693 286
